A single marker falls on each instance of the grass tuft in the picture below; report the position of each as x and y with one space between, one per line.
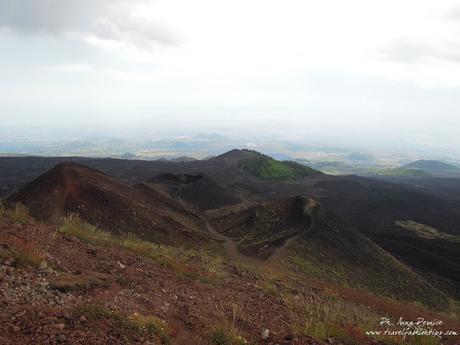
17 212
74 226
25 252
323 317
220 336
133 326
229 317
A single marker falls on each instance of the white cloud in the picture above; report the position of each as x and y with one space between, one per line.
110 21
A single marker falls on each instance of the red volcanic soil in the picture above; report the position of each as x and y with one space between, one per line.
33 312
109 204
63 301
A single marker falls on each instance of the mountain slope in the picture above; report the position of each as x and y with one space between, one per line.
310 239
436 168
402 172
266 167
109 204
334 250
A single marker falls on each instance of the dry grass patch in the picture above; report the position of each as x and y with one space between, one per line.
229 318
132 326
17 212
426 231
69 282
74 226
323 317
192 264
24 252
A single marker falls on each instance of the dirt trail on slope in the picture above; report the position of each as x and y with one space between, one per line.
272 263
232 250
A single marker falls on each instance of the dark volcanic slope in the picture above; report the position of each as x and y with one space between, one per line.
196 189
313 240
109 204
261 229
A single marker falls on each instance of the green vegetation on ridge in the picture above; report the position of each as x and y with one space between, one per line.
426 231
270 169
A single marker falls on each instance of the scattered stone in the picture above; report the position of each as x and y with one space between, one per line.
43 265
49 270
44 284
121 265
165 307
265 334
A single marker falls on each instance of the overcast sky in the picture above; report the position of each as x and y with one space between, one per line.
380 69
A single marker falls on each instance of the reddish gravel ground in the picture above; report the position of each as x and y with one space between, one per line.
45 303
132 284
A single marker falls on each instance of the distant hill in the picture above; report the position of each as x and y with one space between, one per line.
128 155
436 168
233 157
403 172
266 167
183 159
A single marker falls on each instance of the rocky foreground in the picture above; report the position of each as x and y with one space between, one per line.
74 285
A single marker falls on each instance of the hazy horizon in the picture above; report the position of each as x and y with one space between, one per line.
363 74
